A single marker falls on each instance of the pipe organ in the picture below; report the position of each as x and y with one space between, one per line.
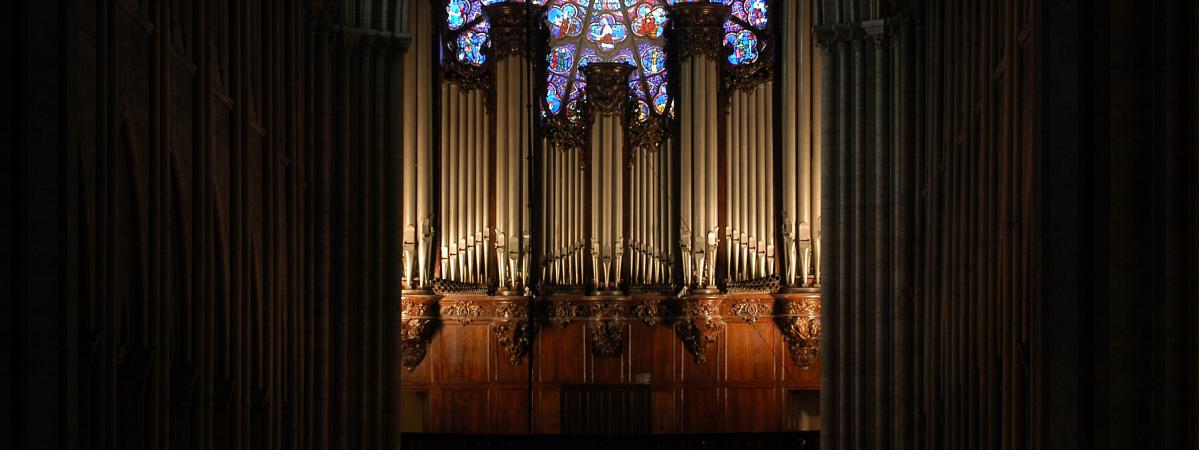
668 180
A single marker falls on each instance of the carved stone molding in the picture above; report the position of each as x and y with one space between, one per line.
417 317
648 311
561 312
607 87
751 310
699 324
800 324
698 29
464 312
510 27
607 327
513 328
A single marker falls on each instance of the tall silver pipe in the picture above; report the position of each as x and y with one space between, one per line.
444 184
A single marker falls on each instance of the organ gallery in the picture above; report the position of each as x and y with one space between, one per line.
606 191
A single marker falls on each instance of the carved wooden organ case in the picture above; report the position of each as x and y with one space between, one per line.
610 161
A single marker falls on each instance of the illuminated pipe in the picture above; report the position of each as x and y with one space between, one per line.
503 146
767 119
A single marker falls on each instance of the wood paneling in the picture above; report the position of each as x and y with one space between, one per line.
752 409
464 353
737 388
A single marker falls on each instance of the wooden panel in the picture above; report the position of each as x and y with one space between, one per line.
711 369
752 410
463 411
549 402
606 409
655 351
752 351
561 357
701 410
608 369
665 419
463 352
509 410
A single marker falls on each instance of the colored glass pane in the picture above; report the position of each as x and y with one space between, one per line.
744 31
587 31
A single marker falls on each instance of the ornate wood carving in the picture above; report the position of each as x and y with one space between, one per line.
699 324
513 328
607 87
698 29
648 311
800 324
751 310
510 27
464 312
562 312
607 327
417 316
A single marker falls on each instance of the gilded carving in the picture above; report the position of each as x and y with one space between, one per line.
751 310
698 29
416 321
801 328
648 311
464 312
607 328
607 87
699 325
562 313
513 329
509 27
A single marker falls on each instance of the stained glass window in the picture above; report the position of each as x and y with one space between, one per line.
468 29
744 31
587 31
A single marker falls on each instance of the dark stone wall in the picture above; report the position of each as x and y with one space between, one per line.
1038 258
196 230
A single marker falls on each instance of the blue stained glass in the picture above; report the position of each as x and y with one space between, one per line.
607 31
564 20
653 59
626 31
470 47
458 13
745 47
755 13
561 59
649 20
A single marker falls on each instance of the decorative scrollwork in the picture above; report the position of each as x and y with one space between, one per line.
514 329
607 87
699 325
450 288
648 311
562 313
801 328
751 310
607 328
416 322
467 77
698 29
746 77
464 312
514 336
756 286
510 27
566 134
